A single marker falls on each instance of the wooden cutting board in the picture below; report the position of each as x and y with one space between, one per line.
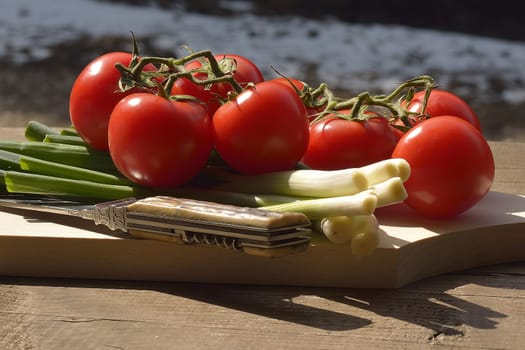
44 245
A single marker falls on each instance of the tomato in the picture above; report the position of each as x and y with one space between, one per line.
442 102
265 128
397 132
244 71
287 81
452 166
184 86
157 142
313 112
94 94
337 143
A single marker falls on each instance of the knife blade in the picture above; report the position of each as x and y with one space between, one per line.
184 221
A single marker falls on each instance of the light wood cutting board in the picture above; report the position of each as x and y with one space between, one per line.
44 245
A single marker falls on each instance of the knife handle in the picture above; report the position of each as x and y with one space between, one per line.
218 213
152 218
224 242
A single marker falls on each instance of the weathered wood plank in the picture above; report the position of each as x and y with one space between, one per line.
471 309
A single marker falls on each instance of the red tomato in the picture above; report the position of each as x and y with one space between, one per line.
299 85
94 94
452 166
397 132
157 142
245 72
183 86
338 143
263 129
442 102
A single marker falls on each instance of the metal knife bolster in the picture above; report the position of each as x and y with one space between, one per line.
110 214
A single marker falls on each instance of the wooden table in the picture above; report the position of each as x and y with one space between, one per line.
482 308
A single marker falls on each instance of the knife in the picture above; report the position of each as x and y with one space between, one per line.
184 221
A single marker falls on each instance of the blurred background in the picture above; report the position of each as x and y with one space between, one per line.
474 49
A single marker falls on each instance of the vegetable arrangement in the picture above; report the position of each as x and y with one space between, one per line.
210 126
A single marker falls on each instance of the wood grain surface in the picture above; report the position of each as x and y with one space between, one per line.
482 308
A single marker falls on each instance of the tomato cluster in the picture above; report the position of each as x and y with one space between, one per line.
158 139
160 124
452 167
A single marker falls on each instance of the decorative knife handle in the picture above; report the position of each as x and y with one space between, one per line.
217 213
186 221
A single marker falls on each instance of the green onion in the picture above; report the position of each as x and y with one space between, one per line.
36 131
390 191
69 132
366 242
18 182
79 156
304 183
362 203
386 169
263 200
65 139
9 160
360 231
342 229
387 192
312 183
43 167
2 177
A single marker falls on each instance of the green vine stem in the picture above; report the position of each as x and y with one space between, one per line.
170 69
360 104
